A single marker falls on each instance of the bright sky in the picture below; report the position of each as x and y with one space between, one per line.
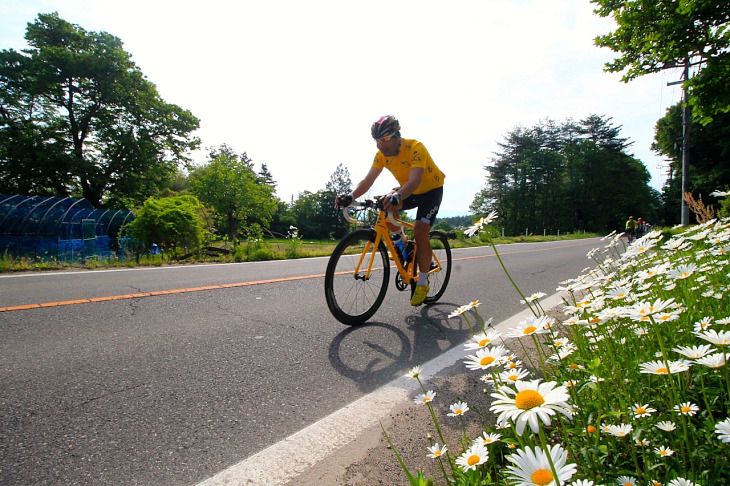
296 84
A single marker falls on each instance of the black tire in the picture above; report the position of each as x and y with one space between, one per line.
438 281
350 298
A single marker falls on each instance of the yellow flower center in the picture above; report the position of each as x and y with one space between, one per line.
512 366
484 342
663 371
486 360
640 410
686 409
542 477
590 429
528 399
529 330
574 366
458 412
474 459
513 377
426 399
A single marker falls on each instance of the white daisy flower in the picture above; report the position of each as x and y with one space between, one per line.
716 360
666 426
664 368
425 397
531 466
414 372
722 429
473 457
532 402
486 358
457 409
645 309
459 311
619 430
436 452
582 482
682 271
626 481
641 411
694 352
681 482
532 325
686 408
514 375
721 338
483 339
486 439
533 297
663 451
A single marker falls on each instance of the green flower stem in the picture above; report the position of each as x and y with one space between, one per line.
466 318
436 422
499 258
539 355
544 445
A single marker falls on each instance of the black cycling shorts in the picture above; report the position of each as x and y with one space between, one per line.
427 203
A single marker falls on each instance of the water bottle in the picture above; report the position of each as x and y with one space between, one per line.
398 243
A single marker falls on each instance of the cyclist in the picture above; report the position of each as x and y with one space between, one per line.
631 228
421 186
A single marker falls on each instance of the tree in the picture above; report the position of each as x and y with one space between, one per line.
265 176
570 176
228 184
340 182
710 147
656 34
175 224
78 118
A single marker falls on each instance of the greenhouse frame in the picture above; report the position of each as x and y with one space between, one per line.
60 229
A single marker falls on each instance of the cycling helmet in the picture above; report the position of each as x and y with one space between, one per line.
386 126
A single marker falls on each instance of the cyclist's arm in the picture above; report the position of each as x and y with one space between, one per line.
414 180
365 184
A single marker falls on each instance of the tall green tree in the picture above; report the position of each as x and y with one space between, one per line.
78 118
654 34
570 176
228 184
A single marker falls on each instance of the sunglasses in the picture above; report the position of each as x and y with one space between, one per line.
383 139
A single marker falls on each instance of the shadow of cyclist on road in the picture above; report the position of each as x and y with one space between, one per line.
375 353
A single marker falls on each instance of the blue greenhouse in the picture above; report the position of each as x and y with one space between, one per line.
59 229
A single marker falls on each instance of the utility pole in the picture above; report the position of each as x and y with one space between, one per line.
686 126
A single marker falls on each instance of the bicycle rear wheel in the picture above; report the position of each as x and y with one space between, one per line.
438 280
352 295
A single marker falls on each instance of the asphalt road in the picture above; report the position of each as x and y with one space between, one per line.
169 375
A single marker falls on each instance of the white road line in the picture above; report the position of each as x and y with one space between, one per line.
288 458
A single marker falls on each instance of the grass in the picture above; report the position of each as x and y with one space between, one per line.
254 250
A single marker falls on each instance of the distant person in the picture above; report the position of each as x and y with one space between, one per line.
640 227
421 186
631 228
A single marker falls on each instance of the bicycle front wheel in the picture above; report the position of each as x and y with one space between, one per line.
357 277
440 272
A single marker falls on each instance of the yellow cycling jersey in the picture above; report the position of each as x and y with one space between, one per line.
412 154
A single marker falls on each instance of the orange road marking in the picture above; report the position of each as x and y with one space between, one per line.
152 294
215 287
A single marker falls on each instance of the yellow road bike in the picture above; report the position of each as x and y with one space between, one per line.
358 271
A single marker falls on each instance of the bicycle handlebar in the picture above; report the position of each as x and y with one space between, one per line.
367 204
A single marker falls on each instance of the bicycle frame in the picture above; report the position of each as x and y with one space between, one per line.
382 233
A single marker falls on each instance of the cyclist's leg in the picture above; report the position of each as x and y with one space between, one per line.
428 206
